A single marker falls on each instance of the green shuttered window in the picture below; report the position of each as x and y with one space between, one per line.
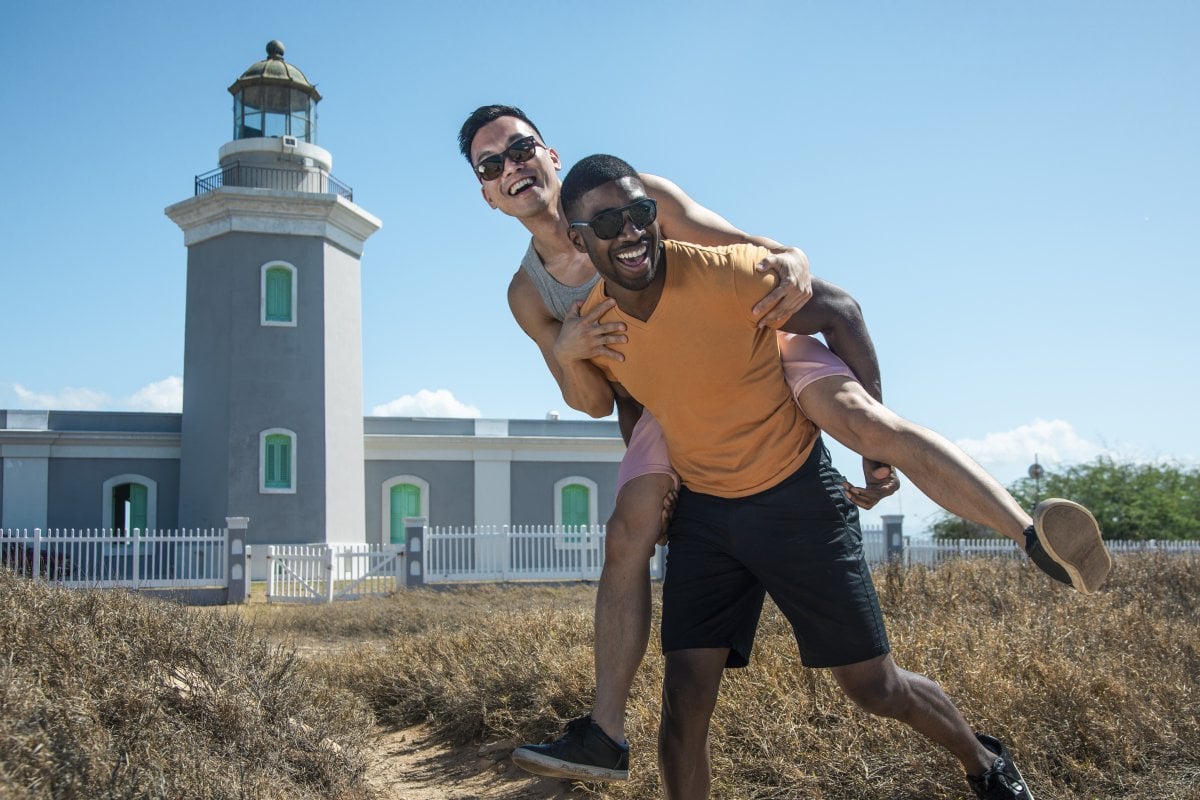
575 504
277 303
405 502
277 461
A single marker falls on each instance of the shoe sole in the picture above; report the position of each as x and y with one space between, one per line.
551 767
1070 535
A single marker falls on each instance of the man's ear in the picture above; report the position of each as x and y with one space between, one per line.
577 239
483 191
554 159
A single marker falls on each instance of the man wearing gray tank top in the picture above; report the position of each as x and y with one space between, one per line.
518 175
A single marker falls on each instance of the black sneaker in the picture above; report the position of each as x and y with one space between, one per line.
1003 780
585 752
1065 543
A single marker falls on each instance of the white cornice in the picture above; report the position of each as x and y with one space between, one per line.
392 447
239 209
88 444
377 447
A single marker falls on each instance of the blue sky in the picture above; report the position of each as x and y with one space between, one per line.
1009 189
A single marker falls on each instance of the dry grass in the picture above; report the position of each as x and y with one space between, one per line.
1100 696
104 694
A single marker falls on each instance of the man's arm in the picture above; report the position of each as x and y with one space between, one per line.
685 220
567 348
838 318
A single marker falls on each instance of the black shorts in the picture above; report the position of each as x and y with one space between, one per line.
800 542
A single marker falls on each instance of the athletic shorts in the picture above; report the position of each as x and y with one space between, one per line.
804 360
799 542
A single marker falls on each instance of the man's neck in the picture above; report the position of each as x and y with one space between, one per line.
559 257
549 230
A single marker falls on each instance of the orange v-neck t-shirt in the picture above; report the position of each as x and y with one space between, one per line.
710 375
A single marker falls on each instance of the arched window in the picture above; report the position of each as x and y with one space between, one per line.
129 502
278 293
403 496
277 461
575 501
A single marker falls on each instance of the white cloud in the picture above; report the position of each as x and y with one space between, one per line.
165 395
426 404
69 399
1007 454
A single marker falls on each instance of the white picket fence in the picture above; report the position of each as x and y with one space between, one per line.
933 552
517 552
107 558
328 572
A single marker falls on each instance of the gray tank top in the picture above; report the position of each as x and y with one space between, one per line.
558 297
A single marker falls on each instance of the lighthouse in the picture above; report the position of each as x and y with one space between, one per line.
272 423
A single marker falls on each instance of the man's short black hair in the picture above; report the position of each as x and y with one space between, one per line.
589 173
482 116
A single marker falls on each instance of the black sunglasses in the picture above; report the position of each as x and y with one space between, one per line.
520 151
609 224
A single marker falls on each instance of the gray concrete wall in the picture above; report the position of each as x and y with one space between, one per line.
77 490
419 425
26 498
451 491
204 461
114 421
586 428
243 377
533 489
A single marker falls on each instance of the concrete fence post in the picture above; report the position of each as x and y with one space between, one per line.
414 551
237 563
893 535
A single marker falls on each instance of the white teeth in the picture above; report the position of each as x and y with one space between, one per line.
633 255
519 185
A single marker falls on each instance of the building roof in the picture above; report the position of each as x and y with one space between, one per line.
273 70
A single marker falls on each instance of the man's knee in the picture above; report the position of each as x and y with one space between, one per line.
854 418
629 538
637 520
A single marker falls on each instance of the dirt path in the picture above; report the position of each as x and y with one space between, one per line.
409 765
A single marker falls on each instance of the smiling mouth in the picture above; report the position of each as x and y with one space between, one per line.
633 257
520 186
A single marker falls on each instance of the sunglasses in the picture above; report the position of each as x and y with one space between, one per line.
520 151
609 224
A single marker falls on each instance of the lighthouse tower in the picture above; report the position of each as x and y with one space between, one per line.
272 380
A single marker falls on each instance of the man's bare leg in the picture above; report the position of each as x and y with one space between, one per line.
879 687
623 596
691 681
841 407
594 747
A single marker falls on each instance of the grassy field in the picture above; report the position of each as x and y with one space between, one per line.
109 695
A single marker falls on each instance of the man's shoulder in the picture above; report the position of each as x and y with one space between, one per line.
728 256
525 301
595 296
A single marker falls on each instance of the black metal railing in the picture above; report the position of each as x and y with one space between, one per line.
259 177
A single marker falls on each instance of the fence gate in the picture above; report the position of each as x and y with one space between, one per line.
322 573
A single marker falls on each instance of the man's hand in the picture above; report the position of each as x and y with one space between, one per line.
881 482
669 500
583 337
793 287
